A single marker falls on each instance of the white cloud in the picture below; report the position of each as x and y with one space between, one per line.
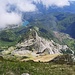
14 17
9 18
59 3
24 6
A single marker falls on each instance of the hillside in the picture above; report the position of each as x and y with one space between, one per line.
33 43
55 21
43 42
32 68
37 37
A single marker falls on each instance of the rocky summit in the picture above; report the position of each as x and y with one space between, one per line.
39 45
35 46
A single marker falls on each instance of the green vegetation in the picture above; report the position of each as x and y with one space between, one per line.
70 43
62 65
17 68
11 37
61 22
55 21
47 23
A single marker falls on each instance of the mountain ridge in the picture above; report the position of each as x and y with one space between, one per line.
33 47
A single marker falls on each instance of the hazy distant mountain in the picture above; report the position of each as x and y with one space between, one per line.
70 8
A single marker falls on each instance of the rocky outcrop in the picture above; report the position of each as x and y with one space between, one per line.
36 45
25 74
35 48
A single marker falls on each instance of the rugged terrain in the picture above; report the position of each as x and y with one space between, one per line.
35 47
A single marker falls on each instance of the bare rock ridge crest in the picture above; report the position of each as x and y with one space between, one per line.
35 47
39 45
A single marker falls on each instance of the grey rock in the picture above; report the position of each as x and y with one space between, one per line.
25 74
38 44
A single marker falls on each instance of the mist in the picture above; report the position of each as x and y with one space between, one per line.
10 10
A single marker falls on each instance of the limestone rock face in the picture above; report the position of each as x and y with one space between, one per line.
35 44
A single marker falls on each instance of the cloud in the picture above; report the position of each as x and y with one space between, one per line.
26 6
59 3
13 17
23 5
9 9
9 19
